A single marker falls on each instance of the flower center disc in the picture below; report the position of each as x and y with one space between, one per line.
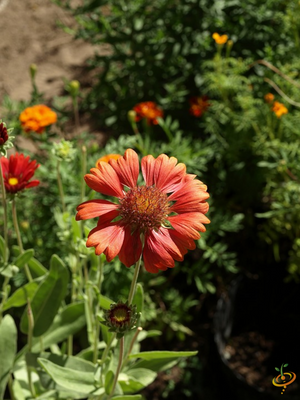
144 207
13 181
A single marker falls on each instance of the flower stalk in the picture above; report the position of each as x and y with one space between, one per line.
60 186
121 354
20 244
4 213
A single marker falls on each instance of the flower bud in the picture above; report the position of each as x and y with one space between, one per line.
121 318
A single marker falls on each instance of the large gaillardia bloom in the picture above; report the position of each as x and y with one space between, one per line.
148 110
36 118
159 220
17 172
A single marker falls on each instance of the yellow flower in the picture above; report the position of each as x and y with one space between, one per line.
269 97
279 109
107 157
220 39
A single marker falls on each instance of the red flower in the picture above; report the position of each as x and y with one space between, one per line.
168 212
198 105
148 110
3 134
17 171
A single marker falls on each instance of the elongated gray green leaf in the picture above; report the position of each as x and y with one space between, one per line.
109 380
2 247
138 298
19 298
36 268
136 379
159 360
128 397
8 349
152 355
47 298
69 321
78 381
23 258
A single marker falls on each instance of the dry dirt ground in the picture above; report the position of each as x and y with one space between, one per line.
29 34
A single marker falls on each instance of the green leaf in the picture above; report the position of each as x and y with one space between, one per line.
138 298
71 379
20 296
109 380
285 365
23 258
159 360
8 349
152 355
2 247
136 379
128 397
76 229
47 298
105 302
277 369
35 266
69 321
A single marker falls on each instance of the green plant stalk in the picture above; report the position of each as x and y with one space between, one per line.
118 368
139 329
4 213
16 225
60 186
134 280
105 354
83 172
97 324
29 342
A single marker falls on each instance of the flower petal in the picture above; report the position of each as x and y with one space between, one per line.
189 224
167 175
106 238
104 180
160 251
131 249
127 168
147 165
95 208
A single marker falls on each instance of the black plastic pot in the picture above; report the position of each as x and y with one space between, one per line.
270 308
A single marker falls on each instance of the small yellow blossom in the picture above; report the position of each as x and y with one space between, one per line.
220 39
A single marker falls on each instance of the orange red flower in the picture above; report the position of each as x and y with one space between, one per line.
279 109
159 220
198 105
17 172
269 97
148 110
219 39
36 118
108 157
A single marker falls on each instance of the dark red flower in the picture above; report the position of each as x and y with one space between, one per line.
17 172
198 105
148 110
3 134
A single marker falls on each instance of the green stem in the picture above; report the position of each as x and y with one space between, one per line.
83 171
60 186
105 354
134 280
4 213
118 367
139 329
16 225
4 295
97 324
30 331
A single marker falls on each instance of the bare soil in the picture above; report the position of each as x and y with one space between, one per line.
29 34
